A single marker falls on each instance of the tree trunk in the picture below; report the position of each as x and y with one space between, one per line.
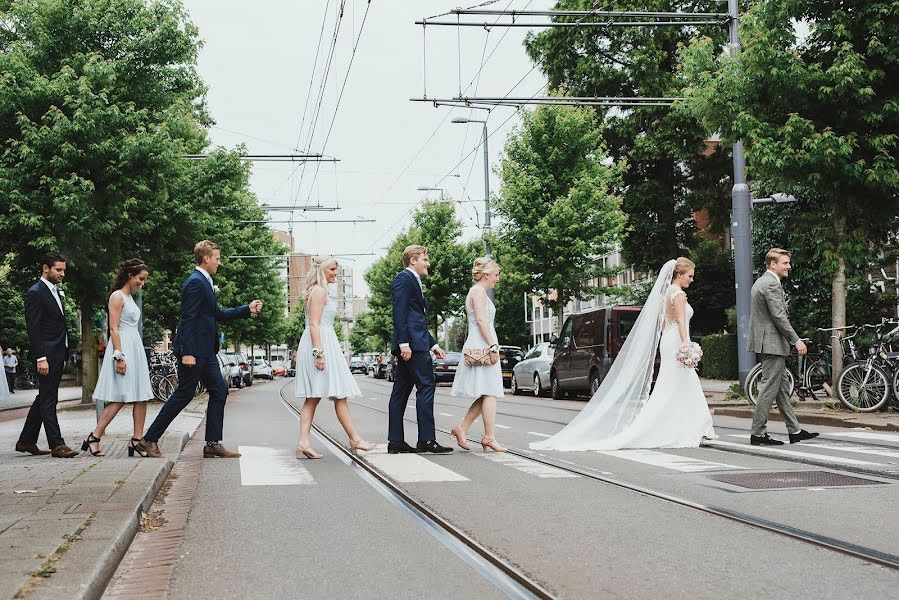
838 294
560 317
89 363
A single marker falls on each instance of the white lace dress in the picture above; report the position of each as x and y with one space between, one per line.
335 381
482 380
676 414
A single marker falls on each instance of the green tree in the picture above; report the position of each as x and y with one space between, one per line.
557 202
362 337
13 333
664 149
818 115
100 98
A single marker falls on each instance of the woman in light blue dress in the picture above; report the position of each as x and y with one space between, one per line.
124 375
484 383
322 370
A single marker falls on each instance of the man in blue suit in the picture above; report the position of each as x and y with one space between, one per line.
413 344
196 344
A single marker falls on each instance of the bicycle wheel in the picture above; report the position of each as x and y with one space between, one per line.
817 379
754 380
24 382
863 387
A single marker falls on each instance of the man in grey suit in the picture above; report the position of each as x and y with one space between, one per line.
770 337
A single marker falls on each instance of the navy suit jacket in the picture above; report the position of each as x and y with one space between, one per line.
410 325
46 324
197 334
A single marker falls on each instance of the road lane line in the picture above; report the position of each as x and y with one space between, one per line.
411 468
774 451
866 435
528 466
539 434
684 464
446 414
501 426
271 466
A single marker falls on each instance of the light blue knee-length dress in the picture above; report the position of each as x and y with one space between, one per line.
335 381
134 385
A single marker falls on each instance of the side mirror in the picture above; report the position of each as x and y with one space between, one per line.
553 340
565 342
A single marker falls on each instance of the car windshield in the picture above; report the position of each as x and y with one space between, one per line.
626 323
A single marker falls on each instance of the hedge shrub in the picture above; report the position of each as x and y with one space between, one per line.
719 356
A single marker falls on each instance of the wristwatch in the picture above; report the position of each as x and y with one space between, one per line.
118 355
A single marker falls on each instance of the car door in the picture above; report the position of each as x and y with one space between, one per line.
562 361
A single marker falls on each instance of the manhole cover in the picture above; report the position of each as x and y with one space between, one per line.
791 479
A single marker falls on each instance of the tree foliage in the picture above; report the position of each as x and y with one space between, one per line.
557 202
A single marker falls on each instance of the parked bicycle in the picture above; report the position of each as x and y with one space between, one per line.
867 384
25 380
814 370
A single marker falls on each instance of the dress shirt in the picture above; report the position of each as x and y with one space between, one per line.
10 363
207 276
55 291
422 290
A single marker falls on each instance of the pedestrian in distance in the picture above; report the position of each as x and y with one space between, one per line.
770 337
124 374
4 388
412 344
10 364
196 345
45 319
322 370
479 375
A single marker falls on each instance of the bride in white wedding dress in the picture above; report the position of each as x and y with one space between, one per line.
623 413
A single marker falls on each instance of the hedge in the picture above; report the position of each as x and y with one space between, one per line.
719 356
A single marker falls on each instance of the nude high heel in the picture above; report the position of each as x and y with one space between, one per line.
456 433
491 443
307 452
355 447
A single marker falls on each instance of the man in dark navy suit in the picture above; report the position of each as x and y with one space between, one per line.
413 344
196 344
45 319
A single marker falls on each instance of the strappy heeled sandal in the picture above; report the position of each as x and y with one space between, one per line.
459 437
307 451
133 447
86 445
491 443
361 445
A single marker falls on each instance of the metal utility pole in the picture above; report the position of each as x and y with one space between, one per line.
741 227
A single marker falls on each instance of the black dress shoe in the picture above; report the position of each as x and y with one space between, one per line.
764 440
802 435
433 447
400 448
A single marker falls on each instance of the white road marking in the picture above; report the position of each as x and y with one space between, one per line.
867 435
839 446
271 466
674 462
527 466
411 468
776 451
539 434
446 414
501 426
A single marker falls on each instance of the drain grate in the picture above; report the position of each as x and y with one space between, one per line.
791 479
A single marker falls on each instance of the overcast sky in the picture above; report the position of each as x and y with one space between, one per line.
258 61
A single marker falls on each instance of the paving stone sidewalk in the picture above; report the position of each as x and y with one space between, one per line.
65 523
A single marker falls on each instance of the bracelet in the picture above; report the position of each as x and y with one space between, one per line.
493 347
318 353
118 355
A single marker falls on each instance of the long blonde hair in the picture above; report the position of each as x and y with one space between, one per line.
317 275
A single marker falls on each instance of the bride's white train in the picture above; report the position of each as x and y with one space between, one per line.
623 413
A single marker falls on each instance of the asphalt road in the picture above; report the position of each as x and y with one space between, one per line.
269 526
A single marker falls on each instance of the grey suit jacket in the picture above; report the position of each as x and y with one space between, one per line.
770 331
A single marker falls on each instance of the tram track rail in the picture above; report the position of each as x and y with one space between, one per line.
863 553
508 578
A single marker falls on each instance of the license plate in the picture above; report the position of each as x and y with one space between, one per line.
452 367
507 373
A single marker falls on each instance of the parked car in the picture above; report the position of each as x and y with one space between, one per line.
381 366
390 368
279 370
587 346
445 368
509 356
357 365
262 369
532 373
239 369
291 372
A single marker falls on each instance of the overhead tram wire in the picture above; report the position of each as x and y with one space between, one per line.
340 95
561 39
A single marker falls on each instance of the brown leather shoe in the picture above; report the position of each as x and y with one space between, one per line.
63 451
30 449
147 449
219 451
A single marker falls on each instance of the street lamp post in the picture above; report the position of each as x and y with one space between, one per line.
487 250
425 188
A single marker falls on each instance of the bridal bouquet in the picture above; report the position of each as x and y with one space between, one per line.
689 355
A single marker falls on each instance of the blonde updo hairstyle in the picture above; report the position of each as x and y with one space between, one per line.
483 266
317 275
682 265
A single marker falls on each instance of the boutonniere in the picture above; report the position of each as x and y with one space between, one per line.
215 288
61 293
